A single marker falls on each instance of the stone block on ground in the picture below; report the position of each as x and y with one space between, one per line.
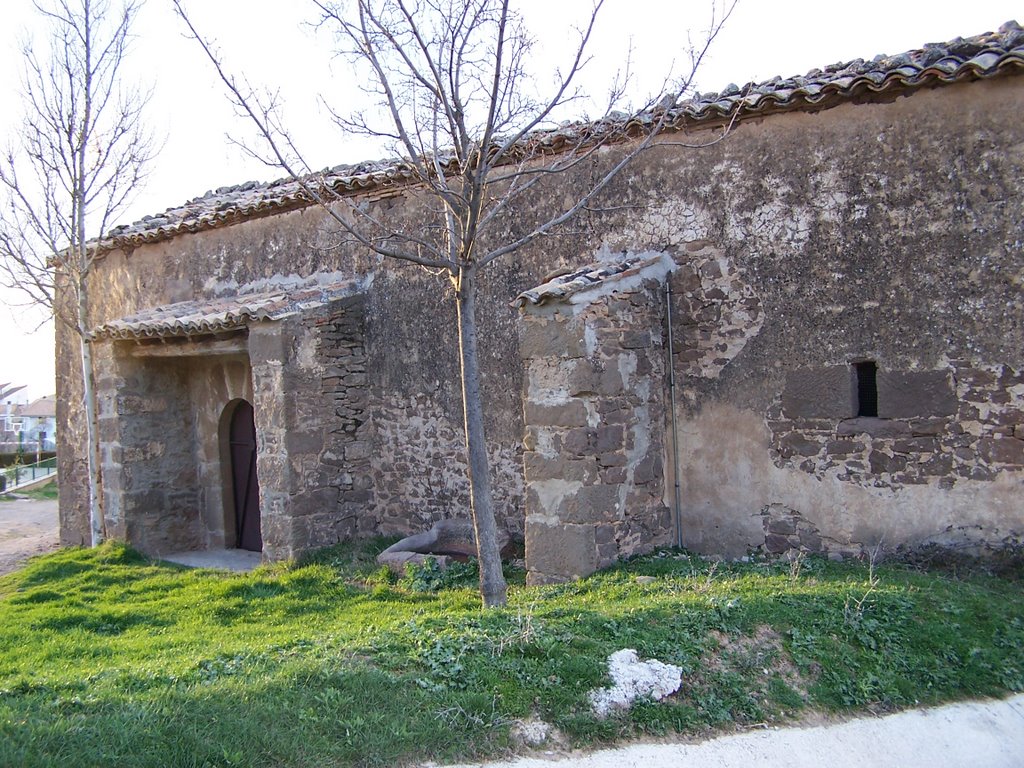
453 539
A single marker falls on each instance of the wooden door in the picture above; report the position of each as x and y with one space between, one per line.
243 475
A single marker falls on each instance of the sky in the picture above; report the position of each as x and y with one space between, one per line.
272 44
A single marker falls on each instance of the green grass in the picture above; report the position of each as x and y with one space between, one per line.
47 492
108 659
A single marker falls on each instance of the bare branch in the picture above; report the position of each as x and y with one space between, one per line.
452 94
661 119
318 192
83 152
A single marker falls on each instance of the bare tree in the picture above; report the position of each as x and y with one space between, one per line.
453 98
83 152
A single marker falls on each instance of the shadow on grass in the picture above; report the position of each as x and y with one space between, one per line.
359 717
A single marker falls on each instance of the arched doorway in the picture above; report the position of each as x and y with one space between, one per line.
245 486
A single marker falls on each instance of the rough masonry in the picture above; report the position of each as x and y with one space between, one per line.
845 273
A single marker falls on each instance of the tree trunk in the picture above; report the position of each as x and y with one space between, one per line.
493 588
96 524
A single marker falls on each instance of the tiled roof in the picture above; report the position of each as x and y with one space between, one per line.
226 313
982 56
42 408
564 287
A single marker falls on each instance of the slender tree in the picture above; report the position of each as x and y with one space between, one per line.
82 153
452 96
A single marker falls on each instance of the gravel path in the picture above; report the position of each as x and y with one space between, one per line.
27 528
971 734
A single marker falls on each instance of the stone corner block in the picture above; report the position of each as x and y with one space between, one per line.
268 342
551 337
591 504
909 394
819 393
572 413
561 550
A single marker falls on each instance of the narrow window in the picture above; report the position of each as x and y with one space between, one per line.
867 388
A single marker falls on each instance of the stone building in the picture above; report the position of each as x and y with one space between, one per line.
840 279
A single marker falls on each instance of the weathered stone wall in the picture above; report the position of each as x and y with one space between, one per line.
945 426
813 242
415 489
888 232
904 248
419 444
714 313
594 413
309 390
147 437
347 447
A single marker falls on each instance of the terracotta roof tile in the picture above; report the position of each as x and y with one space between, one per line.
206 316
987 55
564 287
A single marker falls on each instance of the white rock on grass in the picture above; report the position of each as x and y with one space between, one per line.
531 732
634 679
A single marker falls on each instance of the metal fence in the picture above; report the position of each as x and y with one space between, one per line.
22 474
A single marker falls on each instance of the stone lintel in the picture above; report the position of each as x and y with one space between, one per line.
910 394
819 393
174 348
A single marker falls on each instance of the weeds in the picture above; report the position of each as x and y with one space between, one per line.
432 576
796 564
853 608
703 583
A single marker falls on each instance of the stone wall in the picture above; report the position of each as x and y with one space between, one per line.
416 488
888 232
348 446
594 414
147 438
309 387
940 427
714 313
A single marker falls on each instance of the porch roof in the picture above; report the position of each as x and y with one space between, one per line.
223 313
610 268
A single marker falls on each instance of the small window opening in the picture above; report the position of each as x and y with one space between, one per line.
867 388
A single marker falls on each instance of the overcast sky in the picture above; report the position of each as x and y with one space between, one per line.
268 41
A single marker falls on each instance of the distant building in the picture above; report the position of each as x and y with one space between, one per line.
39 424
29 427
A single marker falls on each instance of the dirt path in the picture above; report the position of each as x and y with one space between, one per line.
971 734
27 528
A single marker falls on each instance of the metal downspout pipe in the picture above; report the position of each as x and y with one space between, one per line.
677 493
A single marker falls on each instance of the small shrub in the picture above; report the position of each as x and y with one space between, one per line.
431 576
